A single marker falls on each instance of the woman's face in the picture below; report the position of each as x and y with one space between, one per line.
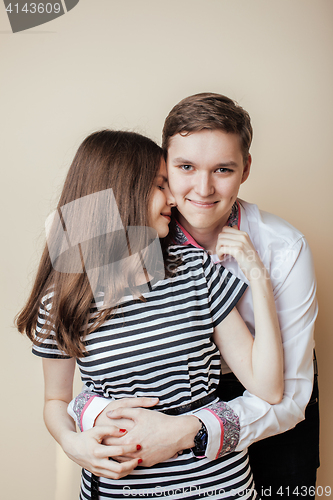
161 202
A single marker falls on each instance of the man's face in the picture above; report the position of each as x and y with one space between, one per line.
205 171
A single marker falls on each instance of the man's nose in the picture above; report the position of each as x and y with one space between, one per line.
204 185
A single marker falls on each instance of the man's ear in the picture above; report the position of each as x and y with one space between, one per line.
247 167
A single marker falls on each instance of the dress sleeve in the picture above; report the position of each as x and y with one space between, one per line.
224 290
45 344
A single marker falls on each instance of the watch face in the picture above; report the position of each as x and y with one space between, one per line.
203 441
200 442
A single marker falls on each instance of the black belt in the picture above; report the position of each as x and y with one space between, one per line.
194 405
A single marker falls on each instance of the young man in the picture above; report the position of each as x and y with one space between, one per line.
207 139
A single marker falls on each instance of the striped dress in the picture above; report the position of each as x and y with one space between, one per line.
163 348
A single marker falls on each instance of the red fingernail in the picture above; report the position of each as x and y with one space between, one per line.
122 430
140 460
138 447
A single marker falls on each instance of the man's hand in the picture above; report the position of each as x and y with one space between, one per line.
160 436
103 420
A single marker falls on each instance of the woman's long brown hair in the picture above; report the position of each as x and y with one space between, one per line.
127 163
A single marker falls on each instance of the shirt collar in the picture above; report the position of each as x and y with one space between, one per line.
182 237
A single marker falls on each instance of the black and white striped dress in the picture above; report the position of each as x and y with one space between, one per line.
163 348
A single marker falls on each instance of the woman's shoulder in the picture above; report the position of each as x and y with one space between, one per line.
189 257
187 251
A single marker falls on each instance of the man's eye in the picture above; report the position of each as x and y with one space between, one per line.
186 167
223 170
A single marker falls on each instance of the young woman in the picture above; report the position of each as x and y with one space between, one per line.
136 330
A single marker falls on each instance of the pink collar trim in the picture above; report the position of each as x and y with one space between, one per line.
189 238
239 215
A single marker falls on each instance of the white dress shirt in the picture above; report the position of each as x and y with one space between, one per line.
287 256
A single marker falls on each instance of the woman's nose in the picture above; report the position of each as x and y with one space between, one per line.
169 197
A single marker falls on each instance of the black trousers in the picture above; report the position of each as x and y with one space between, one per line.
283 466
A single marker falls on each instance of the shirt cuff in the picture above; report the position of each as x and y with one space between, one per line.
223 429
85 408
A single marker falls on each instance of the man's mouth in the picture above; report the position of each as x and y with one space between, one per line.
202 204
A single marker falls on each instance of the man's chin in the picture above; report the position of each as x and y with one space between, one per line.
195 224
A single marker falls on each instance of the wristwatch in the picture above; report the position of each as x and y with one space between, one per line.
200 442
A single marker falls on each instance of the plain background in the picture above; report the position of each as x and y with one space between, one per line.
124 64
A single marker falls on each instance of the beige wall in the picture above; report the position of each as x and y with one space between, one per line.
123 64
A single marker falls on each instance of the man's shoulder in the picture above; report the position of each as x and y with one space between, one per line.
267 227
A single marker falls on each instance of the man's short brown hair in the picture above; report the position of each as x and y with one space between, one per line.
208 111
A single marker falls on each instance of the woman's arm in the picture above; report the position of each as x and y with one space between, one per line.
85 448
258 362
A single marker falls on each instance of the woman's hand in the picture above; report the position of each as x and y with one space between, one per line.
237 243
87 450
160 436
